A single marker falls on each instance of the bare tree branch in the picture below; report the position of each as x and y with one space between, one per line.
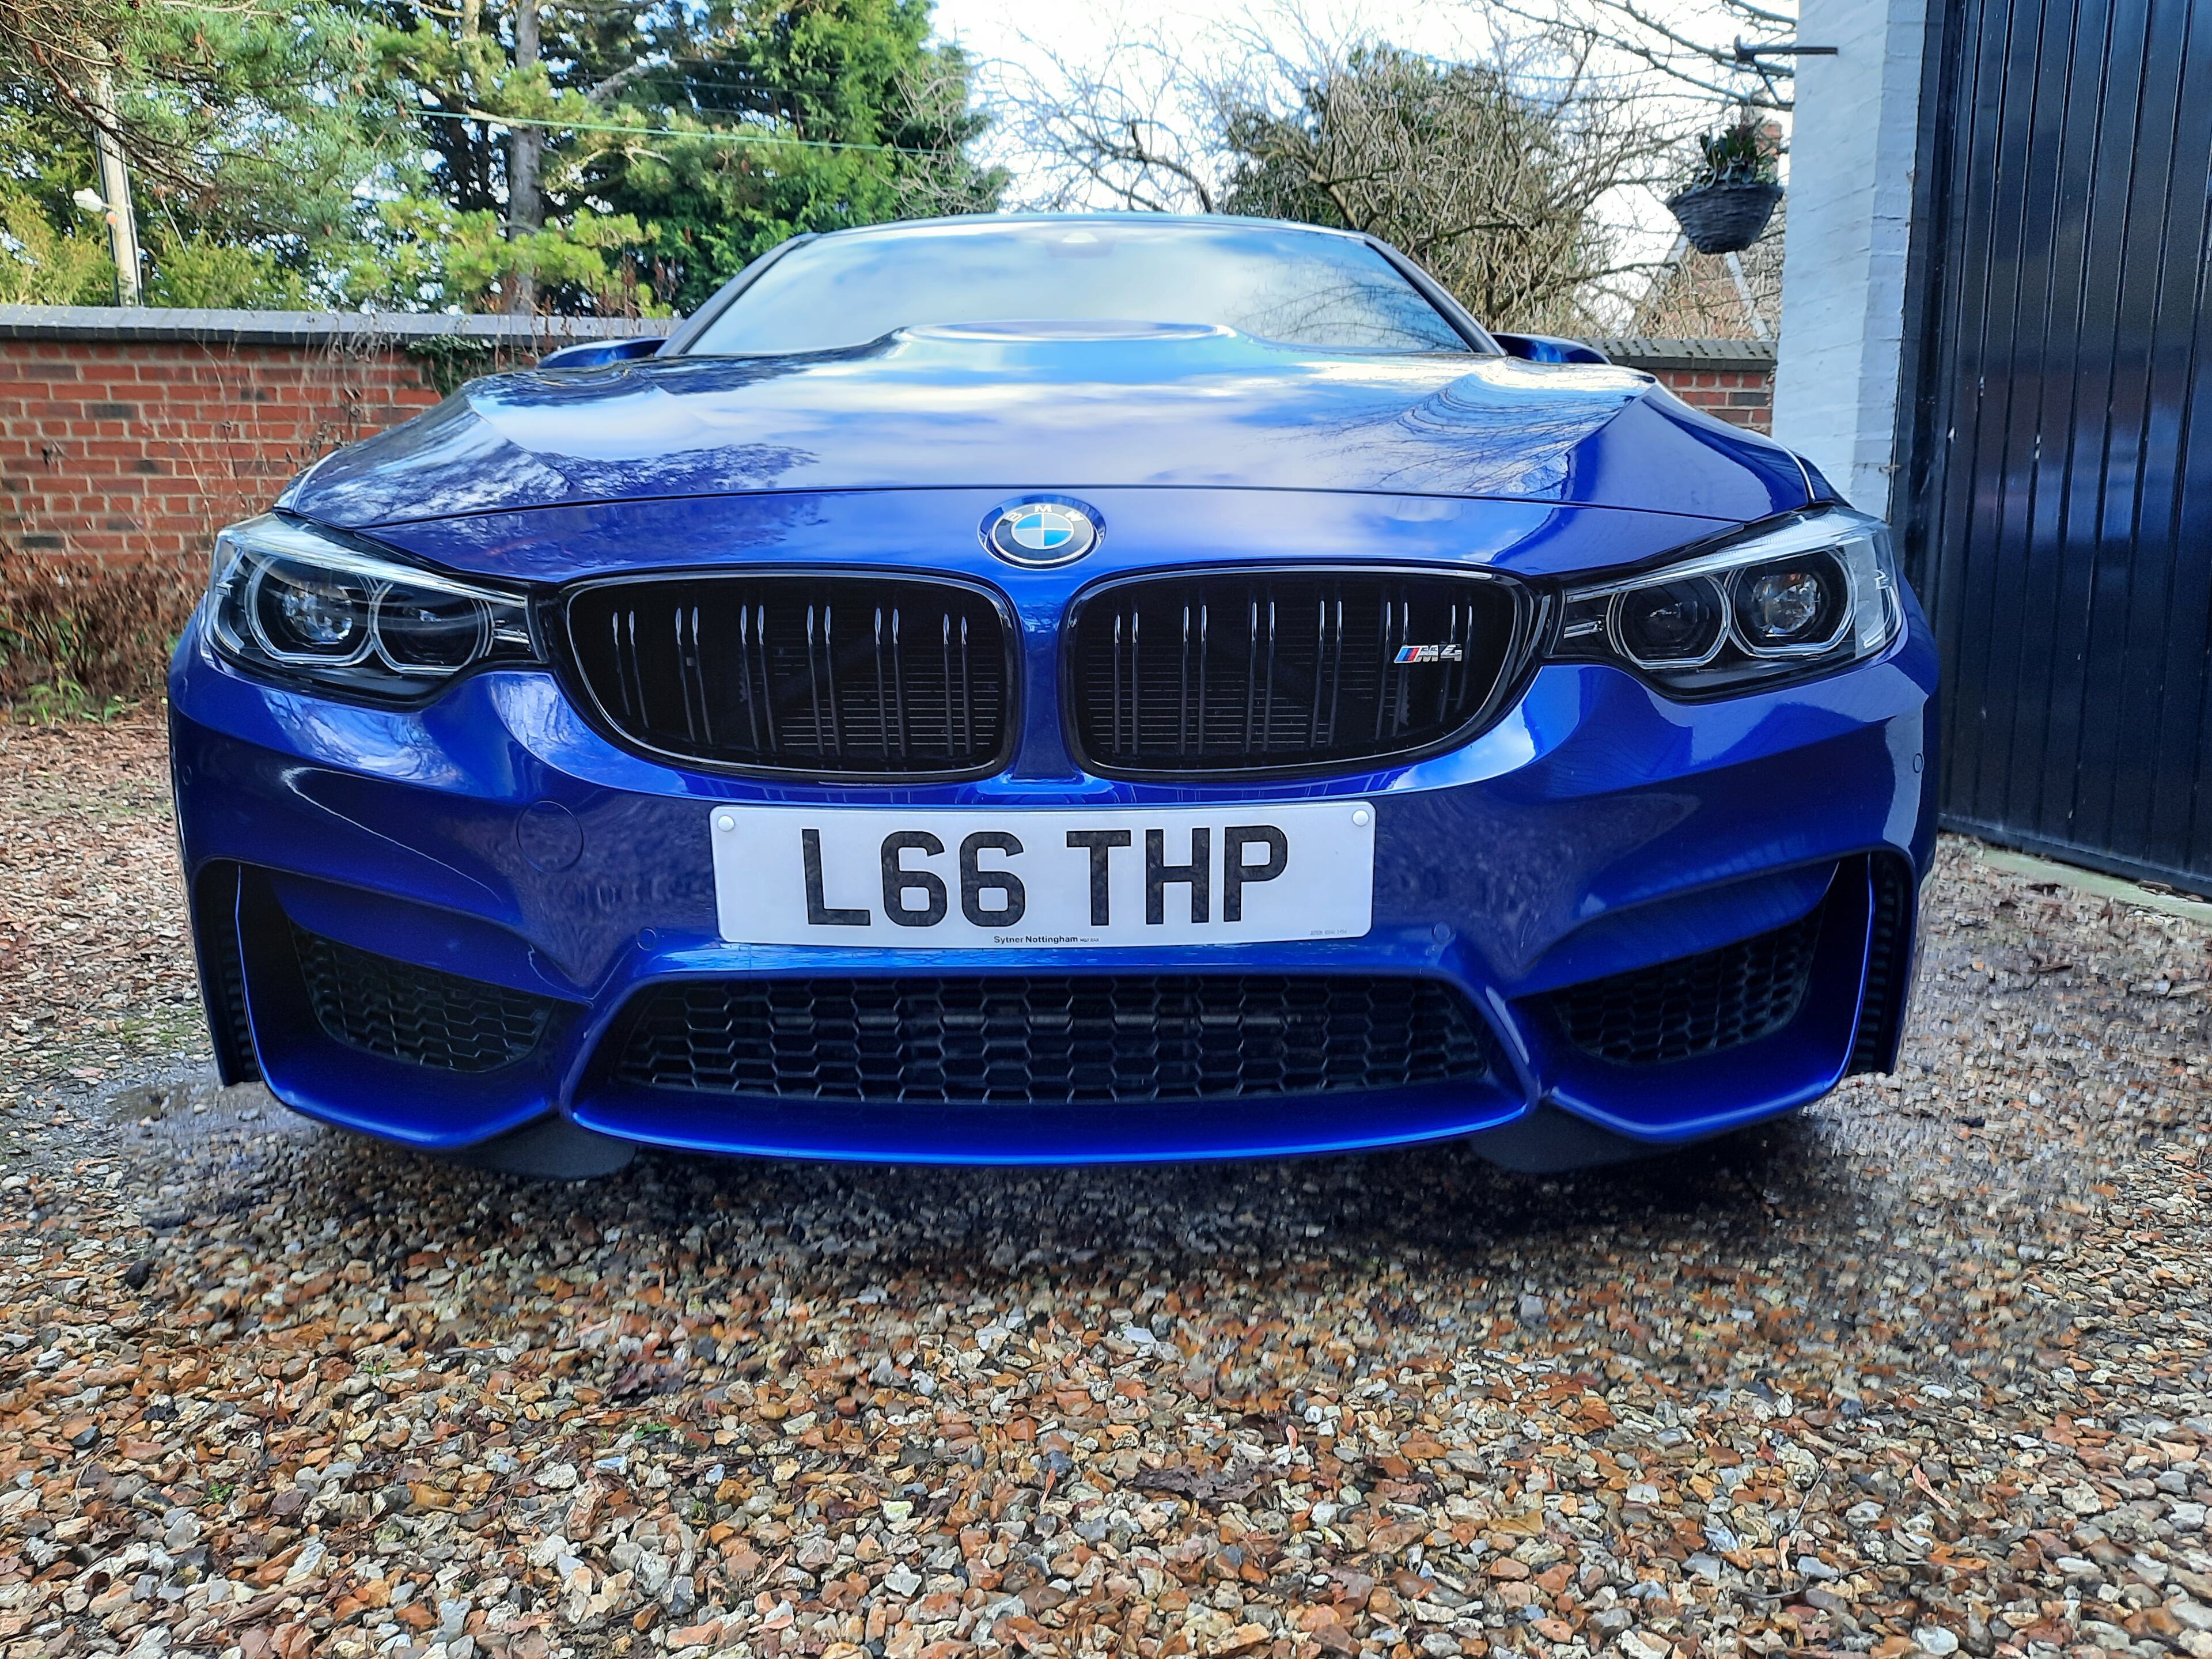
1691 48
936 177
1132 128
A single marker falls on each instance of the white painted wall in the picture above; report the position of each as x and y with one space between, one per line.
1851 154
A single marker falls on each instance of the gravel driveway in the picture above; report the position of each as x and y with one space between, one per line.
1925 1370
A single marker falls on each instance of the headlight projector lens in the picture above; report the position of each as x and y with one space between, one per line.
1676 623
424 632
1798 604
300 614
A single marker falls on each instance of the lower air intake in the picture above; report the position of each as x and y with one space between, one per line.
1697 1005
1049 1042
417 1015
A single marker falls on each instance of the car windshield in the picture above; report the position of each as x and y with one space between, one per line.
1299 287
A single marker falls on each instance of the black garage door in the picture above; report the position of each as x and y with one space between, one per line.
2057 499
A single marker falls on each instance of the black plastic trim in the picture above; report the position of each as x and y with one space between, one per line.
222 973
364 1001
1891 935
1769 973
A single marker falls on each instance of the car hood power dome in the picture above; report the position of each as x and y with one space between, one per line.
1013 404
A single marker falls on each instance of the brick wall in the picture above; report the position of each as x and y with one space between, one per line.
133 434
142 450
1742 396
1731 378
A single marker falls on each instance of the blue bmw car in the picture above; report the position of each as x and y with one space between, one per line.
1055 690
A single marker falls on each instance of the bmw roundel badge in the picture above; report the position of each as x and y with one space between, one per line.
1040 531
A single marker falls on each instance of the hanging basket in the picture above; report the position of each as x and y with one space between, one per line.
1724 218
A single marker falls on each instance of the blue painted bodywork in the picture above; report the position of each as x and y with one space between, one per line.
1600 826
1167 407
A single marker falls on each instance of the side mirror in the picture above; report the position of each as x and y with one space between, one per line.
1548 349
597 354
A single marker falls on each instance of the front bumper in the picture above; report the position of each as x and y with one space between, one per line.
1598 830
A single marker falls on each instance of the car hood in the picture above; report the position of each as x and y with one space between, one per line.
1033 407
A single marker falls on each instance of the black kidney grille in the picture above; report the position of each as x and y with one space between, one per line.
1051 1041
1271 671
1693 1005
419 1015
821 674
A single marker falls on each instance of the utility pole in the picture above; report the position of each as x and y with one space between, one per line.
115 193
526 148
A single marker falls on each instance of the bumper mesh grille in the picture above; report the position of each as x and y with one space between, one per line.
418 1015
1122 1038
825 675
1693 1005
1271 671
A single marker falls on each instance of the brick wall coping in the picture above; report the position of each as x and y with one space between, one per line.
1721 356
310 328
322 327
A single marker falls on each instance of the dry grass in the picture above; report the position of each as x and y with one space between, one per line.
85 633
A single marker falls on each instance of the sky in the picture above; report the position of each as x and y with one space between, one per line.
997 28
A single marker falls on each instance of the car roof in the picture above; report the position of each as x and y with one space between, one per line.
1097 217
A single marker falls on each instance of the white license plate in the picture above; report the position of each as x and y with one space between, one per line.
919 879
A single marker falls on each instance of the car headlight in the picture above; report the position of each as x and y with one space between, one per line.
1786 602
295 603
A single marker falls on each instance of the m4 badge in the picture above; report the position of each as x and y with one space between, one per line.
1429 653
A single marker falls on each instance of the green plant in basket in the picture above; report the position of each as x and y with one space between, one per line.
1743 152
